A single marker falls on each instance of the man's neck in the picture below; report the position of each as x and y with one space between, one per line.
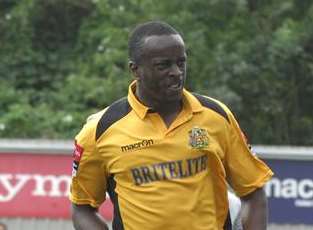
168 110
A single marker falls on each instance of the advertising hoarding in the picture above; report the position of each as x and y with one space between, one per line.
35 182
290 192
37 185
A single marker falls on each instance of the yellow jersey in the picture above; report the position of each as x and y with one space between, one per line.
159 177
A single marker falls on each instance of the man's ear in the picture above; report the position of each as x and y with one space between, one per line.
134 69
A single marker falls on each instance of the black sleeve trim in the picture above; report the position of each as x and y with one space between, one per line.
117 223
210 104
227 224
115 112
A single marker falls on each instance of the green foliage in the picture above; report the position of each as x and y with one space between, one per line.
62 60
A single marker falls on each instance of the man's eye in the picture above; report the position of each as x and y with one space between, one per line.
162 65
181 63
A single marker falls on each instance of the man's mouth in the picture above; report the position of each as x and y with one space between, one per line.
175 86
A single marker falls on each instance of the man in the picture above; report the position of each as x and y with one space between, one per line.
164 154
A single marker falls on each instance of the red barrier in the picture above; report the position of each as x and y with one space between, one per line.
37 185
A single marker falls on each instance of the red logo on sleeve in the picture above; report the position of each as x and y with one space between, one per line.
78 152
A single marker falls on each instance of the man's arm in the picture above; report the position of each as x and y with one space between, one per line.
86 217
254 210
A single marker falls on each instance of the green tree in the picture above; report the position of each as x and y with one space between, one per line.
64 59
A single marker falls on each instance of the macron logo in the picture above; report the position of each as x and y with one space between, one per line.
137 145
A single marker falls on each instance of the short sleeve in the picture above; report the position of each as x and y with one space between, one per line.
88 174
245 171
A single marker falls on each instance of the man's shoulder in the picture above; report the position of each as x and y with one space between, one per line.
116 111
115 107
95 117
97 123
90 126
213 104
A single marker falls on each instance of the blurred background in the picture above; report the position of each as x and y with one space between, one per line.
61 60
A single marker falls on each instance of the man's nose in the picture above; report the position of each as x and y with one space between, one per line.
175 70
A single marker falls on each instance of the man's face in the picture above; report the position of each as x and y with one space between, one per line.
162 70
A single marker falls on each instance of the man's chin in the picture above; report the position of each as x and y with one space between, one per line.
172 99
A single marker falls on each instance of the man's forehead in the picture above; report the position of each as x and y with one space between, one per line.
155 41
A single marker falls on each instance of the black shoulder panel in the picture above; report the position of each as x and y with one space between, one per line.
210 104
115 112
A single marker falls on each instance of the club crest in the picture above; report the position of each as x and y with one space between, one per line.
198 138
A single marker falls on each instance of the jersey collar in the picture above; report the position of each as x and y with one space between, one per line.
189 101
